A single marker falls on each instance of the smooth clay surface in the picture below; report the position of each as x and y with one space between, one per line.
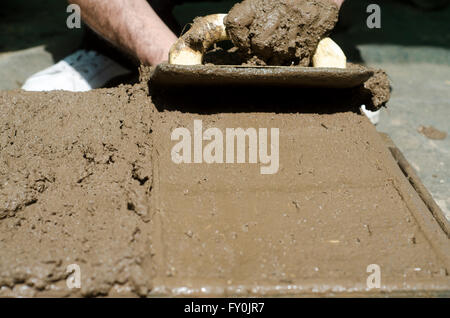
275 32
87 179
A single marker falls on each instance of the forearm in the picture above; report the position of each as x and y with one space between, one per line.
131 25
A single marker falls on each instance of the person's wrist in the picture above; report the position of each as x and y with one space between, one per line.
154 52
152 48
143 54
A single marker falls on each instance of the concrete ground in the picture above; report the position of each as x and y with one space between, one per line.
412 45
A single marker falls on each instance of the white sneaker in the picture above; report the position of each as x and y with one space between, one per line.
374 117
79 72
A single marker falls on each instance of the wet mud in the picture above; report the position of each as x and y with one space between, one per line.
376 91
74 183
432 133
87 179
272 32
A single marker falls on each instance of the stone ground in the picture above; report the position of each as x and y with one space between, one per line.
413 46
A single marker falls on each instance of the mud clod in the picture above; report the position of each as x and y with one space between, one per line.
284 32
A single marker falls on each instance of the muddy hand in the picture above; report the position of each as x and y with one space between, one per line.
280 32
204 32
266 38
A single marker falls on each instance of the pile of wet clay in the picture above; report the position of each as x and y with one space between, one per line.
285 32
87 181
376 91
